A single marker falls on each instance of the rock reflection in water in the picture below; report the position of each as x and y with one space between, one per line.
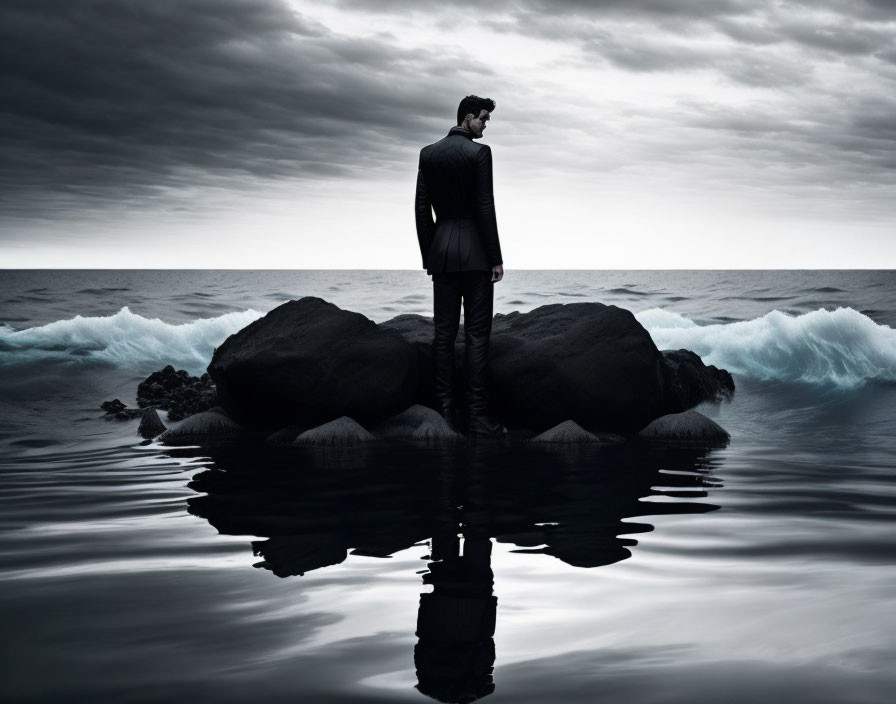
314 507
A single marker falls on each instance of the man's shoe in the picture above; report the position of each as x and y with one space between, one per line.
481 425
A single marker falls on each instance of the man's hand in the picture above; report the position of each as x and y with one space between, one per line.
497 273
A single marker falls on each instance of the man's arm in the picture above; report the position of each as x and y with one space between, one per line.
485 206
423 215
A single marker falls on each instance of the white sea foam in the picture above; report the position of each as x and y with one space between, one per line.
840 347
125 339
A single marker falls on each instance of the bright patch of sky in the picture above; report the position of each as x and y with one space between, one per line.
285 135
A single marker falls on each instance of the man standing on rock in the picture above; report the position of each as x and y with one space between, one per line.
462 253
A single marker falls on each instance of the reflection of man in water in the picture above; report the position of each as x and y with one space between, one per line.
462 252
455 655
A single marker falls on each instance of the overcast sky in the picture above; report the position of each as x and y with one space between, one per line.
284 134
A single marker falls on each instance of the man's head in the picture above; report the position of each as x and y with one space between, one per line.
473 113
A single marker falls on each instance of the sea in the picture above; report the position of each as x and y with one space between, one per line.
764 570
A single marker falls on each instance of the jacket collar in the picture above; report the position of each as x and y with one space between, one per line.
463 131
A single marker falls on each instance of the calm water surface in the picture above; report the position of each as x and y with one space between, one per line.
761 571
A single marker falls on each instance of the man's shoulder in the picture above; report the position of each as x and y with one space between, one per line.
454 141
447 139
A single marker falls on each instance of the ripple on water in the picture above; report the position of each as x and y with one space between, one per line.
627 292
129 569
100 291
758 299
823 289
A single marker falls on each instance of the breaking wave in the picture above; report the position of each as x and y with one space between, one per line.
842 347
124 339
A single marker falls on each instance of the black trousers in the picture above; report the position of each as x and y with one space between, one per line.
476 290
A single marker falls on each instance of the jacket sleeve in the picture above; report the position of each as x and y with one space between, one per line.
485 206
423 214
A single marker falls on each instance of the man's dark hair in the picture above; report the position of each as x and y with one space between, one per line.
472 105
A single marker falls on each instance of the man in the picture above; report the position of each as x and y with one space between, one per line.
462 253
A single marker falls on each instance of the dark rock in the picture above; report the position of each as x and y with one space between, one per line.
689 427
588 362
177 392
689 381
209 426
571 432
113 406
418 331
117 410
308 362
341 432
416 423
592 363
150 424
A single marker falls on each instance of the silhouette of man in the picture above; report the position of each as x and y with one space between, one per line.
462 252
455 653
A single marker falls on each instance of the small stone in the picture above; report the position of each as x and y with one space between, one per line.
113 406
689 427
434 430
416 423
571 432
340 432
118 411
211 425
150 424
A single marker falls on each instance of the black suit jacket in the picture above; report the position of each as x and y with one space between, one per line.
454 178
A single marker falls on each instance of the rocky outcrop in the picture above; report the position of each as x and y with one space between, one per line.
308 362
589 362
689 427
168 389
117 410
177 392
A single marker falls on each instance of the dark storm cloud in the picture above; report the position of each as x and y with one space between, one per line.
113 100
